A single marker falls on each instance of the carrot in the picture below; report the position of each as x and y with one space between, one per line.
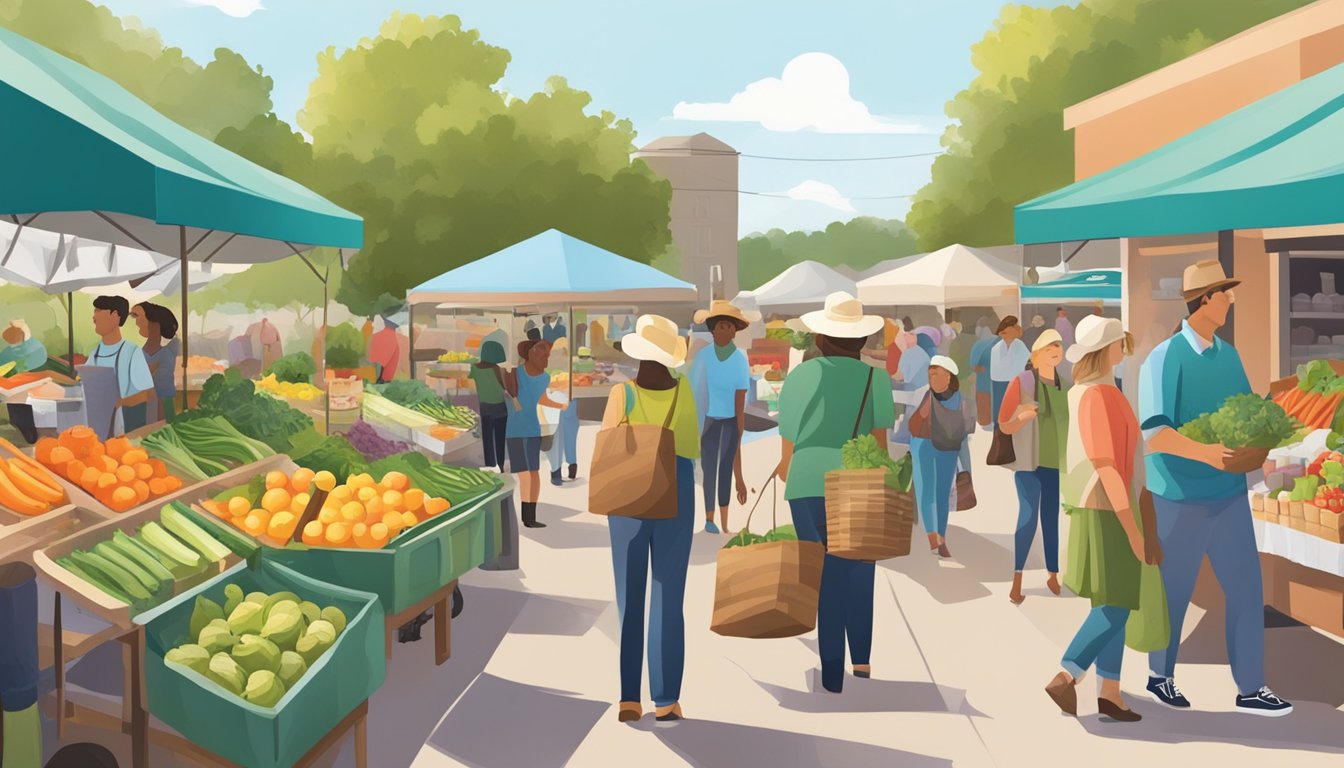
1304 413
1327 414
1318 410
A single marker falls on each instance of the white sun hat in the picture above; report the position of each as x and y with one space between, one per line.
655 339
1094 333
842 318
946 363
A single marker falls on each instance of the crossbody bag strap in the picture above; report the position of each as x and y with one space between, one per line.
672 409
863 404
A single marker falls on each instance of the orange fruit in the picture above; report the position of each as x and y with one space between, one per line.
125 473
436 505
160 469
392 499
144 471
276 479
379 534
123 498
396 481
352 511
337 534
413 500
376 507
255 522
301 480
171 483
42 451
409 519
109 464
276 500
342 493
158 486
325 481
238 506
366 492
312 533
299 503
141 489
133 456
61 455
107 480
281 526
328 516
393 521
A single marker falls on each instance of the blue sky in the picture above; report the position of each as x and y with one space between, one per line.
904 60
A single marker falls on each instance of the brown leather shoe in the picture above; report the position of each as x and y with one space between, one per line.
630 711
1108 708
1062 691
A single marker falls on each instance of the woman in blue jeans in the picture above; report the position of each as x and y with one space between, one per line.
938 429
826 401
656 397
1035 413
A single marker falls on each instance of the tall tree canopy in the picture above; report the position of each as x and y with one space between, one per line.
1008 143
857 244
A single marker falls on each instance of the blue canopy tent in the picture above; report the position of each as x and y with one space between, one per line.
1087 287
550 269
98 163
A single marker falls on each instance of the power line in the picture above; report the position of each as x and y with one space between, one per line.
783 196
725 152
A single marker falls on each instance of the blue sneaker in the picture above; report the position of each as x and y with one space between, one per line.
1263 703
710 527
1163 690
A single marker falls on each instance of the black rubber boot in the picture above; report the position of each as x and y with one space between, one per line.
573 471
530 515
555 478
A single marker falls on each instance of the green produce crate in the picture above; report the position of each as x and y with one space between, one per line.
261 737
409 569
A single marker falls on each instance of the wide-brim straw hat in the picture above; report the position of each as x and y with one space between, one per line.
842 318
655 339
1205 276
1047 337
721 308
1094 333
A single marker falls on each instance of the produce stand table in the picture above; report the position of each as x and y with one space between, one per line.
1303 575
357 721
443 623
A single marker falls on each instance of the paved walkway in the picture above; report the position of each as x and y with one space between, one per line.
958 671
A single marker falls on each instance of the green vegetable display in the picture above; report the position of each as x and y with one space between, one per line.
456 484
863 452
408 392
336 455
203 448
1317 376
255 415
745 538
345 346
263 648
295 368
1244 421
458 416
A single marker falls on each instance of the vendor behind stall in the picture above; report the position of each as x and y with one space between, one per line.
21 348
158 325
385 351
135 384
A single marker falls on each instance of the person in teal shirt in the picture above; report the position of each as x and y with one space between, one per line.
818 408
1199 491
28 354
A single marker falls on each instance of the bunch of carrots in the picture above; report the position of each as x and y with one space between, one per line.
1313 409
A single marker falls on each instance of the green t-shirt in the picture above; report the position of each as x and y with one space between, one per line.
1053 420
488 389
650 406
817 408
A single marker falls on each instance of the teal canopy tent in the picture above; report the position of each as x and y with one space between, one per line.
1087 287
1278 162
89 159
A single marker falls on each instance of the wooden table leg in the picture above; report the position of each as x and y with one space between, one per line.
362 741
443 625
58 663
135 640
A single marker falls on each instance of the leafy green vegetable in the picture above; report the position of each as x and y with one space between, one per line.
257 416
408 392
1315 376
1304 488
745 538
336 455
1333 473
1244 421
296 368
345 346
863 452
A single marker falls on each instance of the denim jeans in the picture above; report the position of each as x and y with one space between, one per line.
935 472
1037 496
494 420
845 607
566 439
668 544
1100 641
718 449
1222 529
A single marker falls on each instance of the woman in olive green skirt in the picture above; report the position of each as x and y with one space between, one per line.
1105 543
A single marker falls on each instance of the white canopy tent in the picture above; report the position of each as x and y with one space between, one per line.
800 288
950 277
886 266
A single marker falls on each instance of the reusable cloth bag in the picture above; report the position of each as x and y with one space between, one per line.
634 471
1149 628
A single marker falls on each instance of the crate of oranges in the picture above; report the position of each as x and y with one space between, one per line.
379 535
116 473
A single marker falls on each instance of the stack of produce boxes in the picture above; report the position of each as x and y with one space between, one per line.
1312 503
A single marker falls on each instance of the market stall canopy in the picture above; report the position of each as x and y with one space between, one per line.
949 277
1278 162
96 162
1088 286
885 266
552 268
55 263
802 287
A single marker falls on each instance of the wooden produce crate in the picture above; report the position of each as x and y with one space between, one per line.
19 541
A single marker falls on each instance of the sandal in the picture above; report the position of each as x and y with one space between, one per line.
629 711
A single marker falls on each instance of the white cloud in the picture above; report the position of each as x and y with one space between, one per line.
819 192
239 9
812 94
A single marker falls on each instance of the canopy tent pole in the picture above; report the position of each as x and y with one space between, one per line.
326 287
182 231
70 329
570 354
410 333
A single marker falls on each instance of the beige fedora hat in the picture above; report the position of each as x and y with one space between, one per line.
1094 333
842 318
655 339
721 308
1204 276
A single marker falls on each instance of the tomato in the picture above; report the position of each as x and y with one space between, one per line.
1336 505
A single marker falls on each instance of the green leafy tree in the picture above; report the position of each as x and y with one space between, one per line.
858 244
1008 143
225 92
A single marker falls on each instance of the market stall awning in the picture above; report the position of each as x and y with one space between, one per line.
949 277
802 287
55 263
1278 162
1088 286
552 268
87 158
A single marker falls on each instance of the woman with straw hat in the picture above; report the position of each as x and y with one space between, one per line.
654 395
825 402
720 377
1035 413
1106 546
